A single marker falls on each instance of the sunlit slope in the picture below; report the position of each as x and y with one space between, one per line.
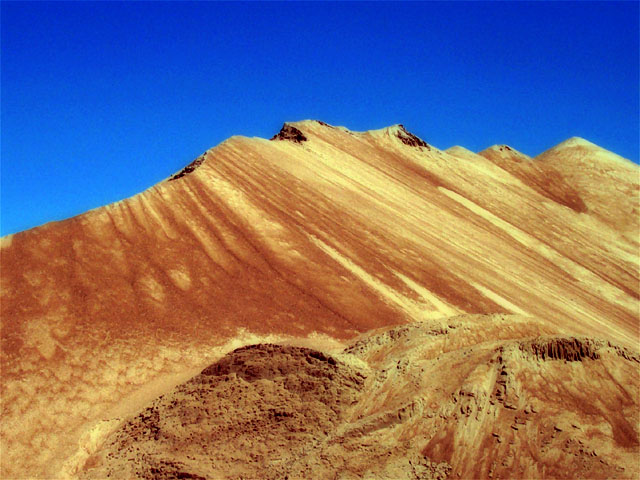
607 183
320 230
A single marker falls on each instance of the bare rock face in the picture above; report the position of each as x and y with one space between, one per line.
289 132
395 404
315 239
189 168
410 139
567 349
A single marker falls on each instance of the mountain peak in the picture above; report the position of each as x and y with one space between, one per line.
504 152
587 151
577 142
289 132
295 131
399 131
410 139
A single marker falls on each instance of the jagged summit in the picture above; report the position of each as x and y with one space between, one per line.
410 139
300 131
399 132
289 132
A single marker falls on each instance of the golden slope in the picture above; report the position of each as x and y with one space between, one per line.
322 232
607 183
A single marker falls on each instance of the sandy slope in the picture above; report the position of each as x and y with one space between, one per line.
320 232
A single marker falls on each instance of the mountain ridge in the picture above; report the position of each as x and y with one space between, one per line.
389 131
318 242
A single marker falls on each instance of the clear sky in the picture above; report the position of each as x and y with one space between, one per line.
102 100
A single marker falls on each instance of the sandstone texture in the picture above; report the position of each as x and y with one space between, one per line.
350 244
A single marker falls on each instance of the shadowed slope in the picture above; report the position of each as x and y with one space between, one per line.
331 235
544 179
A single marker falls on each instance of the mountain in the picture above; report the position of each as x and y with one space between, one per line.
607 183
312 238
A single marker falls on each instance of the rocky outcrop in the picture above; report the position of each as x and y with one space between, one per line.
410 139
190 168
291 133
570 349
266 362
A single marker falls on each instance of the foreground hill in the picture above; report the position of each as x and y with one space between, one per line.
314 237
418 401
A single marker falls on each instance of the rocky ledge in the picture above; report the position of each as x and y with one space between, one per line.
289 132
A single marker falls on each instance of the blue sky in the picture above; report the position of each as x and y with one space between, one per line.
102 100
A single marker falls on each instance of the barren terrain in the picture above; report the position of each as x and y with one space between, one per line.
419 401
455 314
